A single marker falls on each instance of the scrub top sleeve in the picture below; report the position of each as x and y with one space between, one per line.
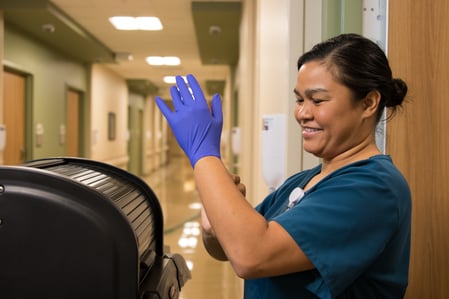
343 225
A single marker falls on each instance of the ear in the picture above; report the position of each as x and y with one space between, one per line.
371 103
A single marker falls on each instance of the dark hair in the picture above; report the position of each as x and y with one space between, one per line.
361 65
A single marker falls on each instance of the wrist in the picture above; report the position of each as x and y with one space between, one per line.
205 159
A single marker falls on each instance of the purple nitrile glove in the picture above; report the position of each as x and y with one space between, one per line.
196 127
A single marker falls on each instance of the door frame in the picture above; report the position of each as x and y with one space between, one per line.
81 117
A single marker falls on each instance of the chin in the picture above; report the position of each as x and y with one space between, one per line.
313 152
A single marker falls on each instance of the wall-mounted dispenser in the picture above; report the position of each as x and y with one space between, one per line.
62 134
39 134
274 150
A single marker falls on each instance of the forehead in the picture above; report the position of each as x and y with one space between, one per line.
316 77
316 73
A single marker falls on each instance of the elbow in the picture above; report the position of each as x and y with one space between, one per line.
219 255
247 263
247 269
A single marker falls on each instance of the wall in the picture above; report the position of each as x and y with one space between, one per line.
149 136
418 139
341 16
265 82
272 37
136 132
109 93
246 101
51 74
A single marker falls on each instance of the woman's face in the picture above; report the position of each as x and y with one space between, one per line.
332 123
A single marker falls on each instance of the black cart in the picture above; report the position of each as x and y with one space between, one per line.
77 228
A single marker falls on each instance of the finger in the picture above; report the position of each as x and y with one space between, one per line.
235 178
196 89
217 111
166 111
176 97
184 91
242 189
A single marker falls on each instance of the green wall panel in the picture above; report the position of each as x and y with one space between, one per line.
51 74
341 16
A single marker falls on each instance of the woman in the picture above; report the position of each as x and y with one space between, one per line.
340 230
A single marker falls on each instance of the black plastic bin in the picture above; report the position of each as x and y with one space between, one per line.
77 228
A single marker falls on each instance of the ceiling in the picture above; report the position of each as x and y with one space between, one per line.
82 31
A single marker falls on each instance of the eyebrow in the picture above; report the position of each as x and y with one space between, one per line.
310 92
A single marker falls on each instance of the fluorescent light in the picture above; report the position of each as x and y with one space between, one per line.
172 60
149 23
155 60
139 23
159 60
172 79
124 23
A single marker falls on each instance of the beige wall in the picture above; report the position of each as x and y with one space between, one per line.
272 38
109 93
149 136
418 138
161 138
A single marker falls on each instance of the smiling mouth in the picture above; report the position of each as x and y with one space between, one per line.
310 130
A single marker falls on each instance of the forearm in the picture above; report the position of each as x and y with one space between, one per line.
210 241
228 211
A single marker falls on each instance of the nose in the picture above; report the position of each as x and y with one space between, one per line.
302 111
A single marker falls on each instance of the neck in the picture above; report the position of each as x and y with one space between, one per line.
362 151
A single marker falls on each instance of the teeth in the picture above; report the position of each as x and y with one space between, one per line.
310 130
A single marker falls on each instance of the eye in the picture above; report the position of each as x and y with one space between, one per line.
317 101
299 101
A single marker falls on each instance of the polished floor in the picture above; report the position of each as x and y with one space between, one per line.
175 189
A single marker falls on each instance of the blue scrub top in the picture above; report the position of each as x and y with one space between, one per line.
354 225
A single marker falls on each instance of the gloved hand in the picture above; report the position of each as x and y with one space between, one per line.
196 128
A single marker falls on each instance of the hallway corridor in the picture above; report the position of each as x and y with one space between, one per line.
175 188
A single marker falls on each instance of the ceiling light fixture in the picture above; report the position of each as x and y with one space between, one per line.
170 79
139 23
149 23
167 60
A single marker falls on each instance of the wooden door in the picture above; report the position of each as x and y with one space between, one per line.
73 124
418 137
14 117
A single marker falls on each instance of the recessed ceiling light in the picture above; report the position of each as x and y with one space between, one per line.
139 23
149 23
167 60
170 79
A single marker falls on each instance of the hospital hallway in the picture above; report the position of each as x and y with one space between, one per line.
174 186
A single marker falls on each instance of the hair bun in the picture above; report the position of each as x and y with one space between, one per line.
398 92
